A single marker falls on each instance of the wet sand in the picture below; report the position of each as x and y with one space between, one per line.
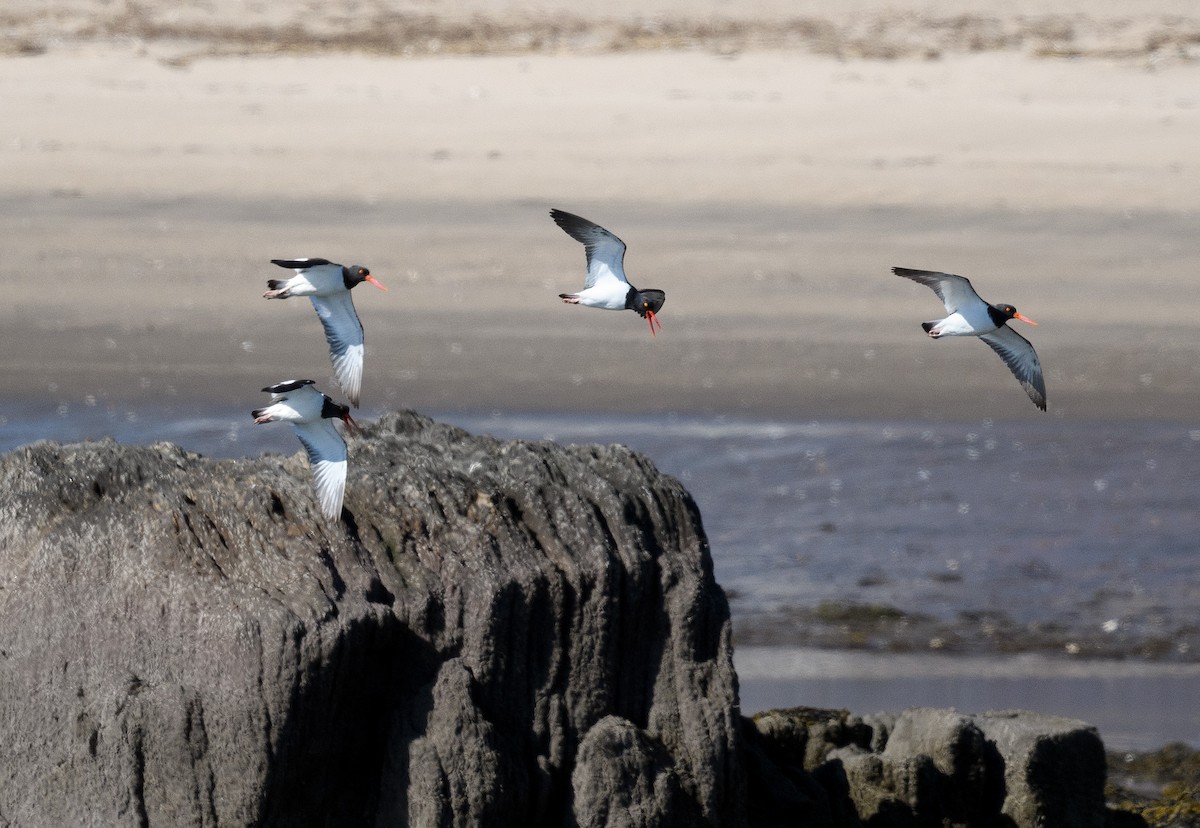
768 192
766 170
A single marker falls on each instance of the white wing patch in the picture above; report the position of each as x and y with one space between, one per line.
605 252
344 333
955 292
605 260
327 458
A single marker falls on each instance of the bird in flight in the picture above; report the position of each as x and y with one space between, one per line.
969 315
328 285
605 285
311 414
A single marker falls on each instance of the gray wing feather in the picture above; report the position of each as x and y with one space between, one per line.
605 252
327 458
344 333
955 292
1021 359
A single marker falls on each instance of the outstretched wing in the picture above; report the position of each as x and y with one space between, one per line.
288 385
344 333
955 292
605 252
1021 359
300 264
327 458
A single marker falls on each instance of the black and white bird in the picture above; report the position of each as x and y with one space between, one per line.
328 285
971 316
606 286
311 414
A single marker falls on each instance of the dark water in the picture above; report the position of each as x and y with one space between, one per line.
1089 528
1135 705
1063 538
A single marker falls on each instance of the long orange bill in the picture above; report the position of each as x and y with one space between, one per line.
351 426
651 318
376 283
1024 318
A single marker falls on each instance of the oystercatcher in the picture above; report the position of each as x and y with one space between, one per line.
328 285
971 316
311 414
606 286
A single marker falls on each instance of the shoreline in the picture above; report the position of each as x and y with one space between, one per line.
1141 707
867 29
870 607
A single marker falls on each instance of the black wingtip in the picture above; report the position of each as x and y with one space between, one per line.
566 220
293 264
288 385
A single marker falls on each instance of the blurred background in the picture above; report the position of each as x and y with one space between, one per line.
867 491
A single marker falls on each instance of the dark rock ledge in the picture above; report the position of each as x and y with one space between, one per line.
497 633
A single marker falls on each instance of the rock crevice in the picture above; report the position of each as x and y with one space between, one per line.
188 643
495 633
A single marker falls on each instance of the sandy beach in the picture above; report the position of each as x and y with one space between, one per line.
767 166
766 177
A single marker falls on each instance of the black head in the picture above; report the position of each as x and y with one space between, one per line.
1002 313
332 411
647 301
357 274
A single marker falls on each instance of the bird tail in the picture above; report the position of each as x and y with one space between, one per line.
258 413
928 326
276 289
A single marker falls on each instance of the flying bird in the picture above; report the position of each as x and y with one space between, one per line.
606 286
328 285
311 414
971 316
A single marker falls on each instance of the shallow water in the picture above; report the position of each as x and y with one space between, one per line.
1136 706
1089 528
1072 539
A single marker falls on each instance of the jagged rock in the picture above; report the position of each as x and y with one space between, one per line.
186 642
1054 768
940 766
926 767
623 779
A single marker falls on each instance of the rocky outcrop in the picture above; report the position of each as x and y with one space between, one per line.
927 767
494 634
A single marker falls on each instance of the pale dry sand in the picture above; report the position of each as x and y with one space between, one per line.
144 186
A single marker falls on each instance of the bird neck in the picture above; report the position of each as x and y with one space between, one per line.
631 302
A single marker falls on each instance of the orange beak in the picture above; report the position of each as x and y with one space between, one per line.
375 282
351 426
652 319
1024 318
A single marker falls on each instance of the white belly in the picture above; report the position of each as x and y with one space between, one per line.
969 323
608 295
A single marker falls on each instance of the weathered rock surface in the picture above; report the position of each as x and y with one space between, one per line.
927 767
494 634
